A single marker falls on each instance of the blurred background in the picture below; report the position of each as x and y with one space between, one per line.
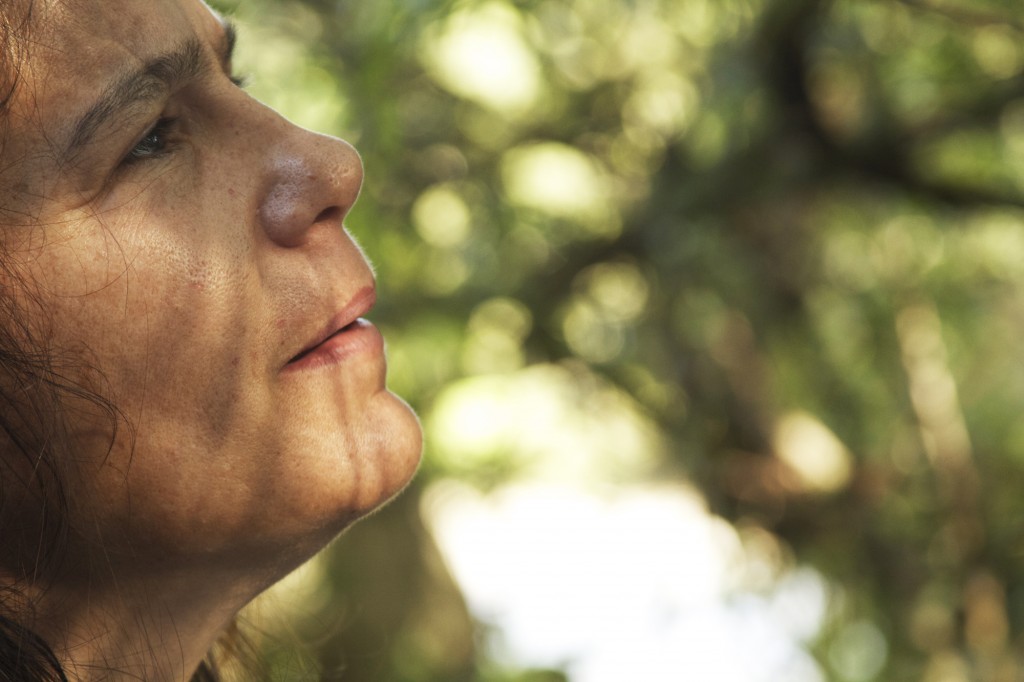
713 311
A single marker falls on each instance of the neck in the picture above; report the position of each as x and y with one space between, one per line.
158 630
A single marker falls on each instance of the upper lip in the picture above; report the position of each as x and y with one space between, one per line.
359 305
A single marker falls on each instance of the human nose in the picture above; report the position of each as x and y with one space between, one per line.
313 181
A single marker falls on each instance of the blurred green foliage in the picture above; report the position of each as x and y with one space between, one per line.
752 222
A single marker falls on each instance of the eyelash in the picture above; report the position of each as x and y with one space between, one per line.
154 143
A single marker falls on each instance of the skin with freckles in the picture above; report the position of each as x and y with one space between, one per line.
186 244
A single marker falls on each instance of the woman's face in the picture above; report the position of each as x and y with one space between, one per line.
187 245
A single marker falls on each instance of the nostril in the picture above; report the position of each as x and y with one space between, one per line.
332 214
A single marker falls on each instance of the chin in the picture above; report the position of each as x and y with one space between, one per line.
299 508
397 449
383 459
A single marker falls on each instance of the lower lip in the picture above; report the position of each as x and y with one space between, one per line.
360 337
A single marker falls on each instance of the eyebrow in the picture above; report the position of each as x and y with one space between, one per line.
145 84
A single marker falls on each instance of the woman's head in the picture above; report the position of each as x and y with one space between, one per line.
175 248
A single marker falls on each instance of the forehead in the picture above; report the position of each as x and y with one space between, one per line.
76 44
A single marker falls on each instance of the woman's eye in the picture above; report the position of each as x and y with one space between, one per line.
154 143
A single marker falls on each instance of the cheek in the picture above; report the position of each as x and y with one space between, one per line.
145 318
